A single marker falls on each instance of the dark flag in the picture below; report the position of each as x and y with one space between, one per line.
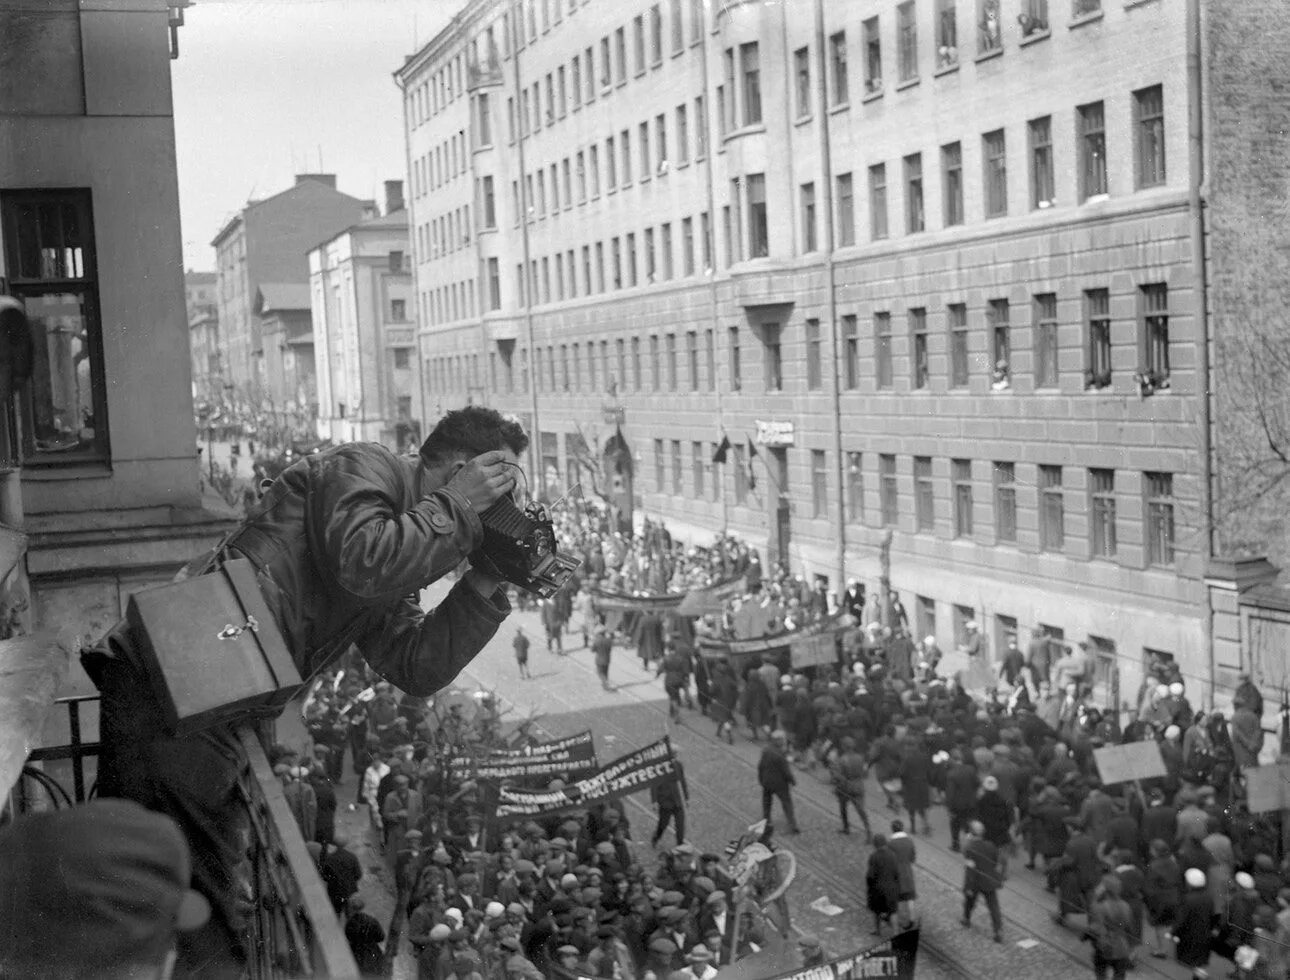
752 454
722 450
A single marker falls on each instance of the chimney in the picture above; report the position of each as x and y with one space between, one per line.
327 179
393 196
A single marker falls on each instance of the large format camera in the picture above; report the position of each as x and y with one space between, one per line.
520 547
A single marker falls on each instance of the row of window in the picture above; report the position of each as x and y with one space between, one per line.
748 193
964 346
654 157
1030 15
443 163
577 178
448 233
623 262
564 89
1051 499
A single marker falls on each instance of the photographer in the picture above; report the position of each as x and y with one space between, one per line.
342 543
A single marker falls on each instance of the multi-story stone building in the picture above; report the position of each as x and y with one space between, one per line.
265 243
89 213
203 337
361 294
940 265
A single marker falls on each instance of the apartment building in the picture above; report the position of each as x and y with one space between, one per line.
934 267
360 290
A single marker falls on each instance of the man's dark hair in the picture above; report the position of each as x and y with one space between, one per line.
465 433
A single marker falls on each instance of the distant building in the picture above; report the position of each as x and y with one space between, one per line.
361 292
287 341
203 339
90 241
944 268
266 243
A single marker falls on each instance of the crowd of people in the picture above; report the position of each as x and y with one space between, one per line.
567 896
1174 865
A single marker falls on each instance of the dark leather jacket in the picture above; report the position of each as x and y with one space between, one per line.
344 541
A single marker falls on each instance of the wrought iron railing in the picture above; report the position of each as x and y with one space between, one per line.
294 932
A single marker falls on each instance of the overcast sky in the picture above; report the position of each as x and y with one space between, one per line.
263 87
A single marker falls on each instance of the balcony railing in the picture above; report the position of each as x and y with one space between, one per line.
294 931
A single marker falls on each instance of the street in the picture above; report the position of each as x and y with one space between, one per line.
565 695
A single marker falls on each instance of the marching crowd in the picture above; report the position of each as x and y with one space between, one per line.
565 896
1169 866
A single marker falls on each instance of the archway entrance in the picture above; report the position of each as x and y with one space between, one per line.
618 469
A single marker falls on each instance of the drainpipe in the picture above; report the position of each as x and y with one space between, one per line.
710 244
1196 204
526 287
826 204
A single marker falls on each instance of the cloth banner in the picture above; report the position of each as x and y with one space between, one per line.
896 958
605 602
573 754
634 772
713 599
580 746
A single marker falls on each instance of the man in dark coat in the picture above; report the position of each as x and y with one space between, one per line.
982 875
996 816
670 798
882 883
342 544
960 795
775 775
1194 930
848 772
340 871
1078 873
915 780
365 936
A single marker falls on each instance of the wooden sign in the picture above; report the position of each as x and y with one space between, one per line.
1266 787
1125 763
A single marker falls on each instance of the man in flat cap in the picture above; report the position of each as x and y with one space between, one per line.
100 890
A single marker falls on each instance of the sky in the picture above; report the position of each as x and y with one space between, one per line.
266 89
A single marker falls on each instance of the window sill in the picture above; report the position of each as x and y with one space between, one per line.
678 52
655 65
638 73
988 55
1035 38
872 96
746 131
1083 19
907 83
35 471
1130 4
839 108
947 69
683 165
803 120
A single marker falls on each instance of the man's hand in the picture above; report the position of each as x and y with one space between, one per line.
485 479
482 582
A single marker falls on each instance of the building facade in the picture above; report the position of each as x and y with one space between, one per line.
203 337
91 244
363 334
936 268
266 243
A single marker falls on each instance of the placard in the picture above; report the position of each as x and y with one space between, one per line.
814 651
1266 787
1125 763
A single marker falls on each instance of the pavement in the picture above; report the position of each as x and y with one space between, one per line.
826 898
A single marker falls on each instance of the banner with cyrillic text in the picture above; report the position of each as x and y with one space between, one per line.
640 770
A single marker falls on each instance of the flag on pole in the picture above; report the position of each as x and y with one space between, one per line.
752 454
722 450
